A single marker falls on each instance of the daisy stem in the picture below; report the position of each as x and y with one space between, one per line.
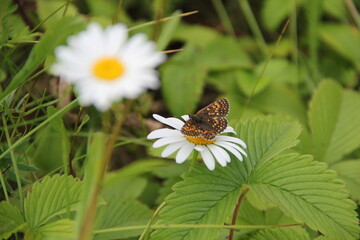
236 211
120 115
193 162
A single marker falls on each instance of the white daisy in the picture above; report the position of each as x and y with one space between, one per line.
217 149
105 67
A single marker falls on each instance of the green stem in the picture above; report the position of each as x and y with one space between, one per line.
255 29
145 233
3 185
17 174
193 162
224 17
193 226
29 134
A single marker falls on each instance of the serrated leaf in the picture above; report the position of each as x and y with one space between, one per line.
334 122
178 82
265 139
41 50
349 172
62 229
121 212
205 197
49 198
283 233
11 220
202 197
308 192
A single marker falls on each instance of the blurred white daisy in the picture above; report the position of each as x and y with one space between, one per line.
105 66
217 149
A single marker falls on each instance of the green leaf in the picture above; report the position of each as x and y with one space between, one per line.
205 197
249 215
274 12
343 40
45 9
283 233
49 198
11 220
334 122
177 83
202 197
121 212
349 172
46 46
198 35
308 192
168 30
214 57
271 100
265 139
62 229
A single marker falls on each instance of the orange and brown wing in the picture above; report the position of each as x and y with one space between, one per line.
218 108
190 128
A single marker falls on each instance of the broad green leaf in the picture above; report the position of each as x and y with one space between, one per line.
59 230
265 139
343 40
183 76
133 170
121 212
249 215
205 197
11 220
224 53
271 100
49 198
46 46
198 35
131 188
334 122
307 191
168 30
335 8
45 9
282 233
275 11
349 172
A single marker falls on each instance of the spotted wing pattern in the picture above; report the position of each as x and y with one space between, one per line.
208 121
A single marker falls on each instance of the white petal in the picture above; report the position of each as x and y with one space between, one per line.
200 148
224 154
172 148
185 117
218 156
208 159
229 129
167 140
172 122
232 139
184 152
163 132
231 149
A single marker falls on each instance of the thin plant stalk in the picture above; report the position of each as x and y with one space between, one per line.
145 233
224 17
236 212
255 29
13 160
193 162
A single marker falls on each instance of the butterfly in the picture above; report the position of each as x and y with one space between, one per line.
208 121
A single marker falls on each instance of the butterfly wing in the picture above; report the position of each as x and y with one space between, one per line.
218 108
190 128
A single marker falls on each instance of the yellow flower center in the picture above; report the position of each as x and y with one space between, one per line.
199 140
108 69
